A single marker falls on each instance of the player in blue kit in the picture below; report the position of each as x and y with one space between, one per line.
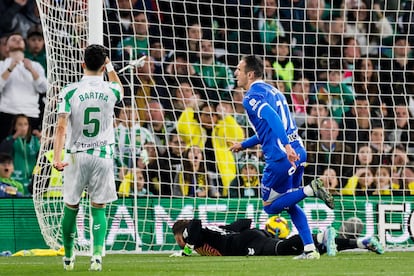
276 131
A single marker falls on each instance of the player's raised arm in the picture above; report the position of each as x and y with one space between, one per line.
112 75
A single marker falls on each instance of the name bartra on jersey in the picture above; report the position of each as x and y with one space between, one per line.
93 96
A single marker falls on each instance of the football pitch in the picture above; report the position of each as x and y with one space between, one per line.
345 263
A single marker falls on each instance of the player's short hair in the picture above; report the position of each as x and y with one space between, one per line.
179 226
95 56
255 64
351 228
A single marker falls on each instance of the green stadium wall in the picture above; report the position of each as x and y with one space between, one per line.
389 218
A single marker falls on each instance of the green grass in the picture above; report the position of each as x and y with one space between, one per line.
345 263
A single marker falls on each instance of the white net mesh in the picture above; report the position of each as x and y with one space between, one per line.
345 67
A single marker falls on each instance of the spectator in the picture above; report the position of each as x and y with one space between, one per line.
24 147
360 184
312 43
400 166
368 24
35 49
366 83
8 186
179 70
157 52
383 182
147 87
157 125
184 96
133 184
329 152
285 65
192 178
234 40
212 131
396 73
163 173
247 181
351 53
401 130
269 71
21 82
330 181
377 142
316 112
299 99
339 96
336 28
190 45
128 129
362 172
120 11
138 43
217 76
266 26
357 122
17 16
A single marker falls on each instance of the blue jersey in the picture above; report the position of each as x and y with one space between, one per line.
276 128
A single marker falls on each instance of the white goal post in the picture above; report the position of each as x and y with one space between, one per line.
166 32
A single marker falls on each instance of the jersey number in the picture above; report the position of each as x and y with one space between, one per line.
89 121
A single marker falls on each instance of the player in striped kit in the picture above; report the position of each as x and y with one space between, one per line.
276 131
85 113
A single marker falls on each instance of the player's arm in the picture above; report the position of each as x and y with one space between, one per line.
112 75
272 118
248 143
59 141
238 225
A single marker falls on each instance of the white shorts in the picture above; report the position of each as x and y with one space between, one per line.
91 172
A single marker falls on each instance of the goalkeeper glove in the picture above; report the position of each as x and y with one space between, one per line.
188 249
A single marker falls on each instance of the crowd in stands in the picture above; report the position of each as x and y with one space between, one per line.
346 68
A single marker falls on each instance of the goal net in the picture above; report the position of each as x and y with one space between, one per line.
345 67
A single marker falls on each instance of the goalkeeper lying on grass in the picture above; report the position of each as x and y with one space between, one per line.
238 239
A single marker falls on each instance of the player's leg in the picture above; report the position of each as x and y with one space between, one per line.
72 189
301 222
326 241
102 190
369 243
290 246
276 187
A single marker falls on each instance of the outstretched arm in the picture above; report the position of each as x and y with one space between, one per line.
272 118
59 142
248 143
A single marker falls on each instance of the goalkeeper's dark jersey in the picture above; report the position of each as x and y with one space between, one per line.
235 239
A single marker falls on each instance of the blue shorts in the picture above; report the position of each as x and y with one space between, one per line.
277 177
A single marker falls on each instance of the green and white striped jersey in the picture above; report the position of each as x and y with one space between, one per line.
124 141
90 104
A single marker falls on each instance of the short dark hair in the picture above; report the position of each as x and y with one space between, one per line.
5 158
180 225
95 56
255 64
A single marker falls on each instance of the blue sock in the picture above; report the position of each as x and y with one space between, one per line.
286 200
301 222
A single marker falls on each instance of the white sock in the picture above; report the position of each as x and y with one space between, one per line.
308 191
309 247
319 237
360 244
